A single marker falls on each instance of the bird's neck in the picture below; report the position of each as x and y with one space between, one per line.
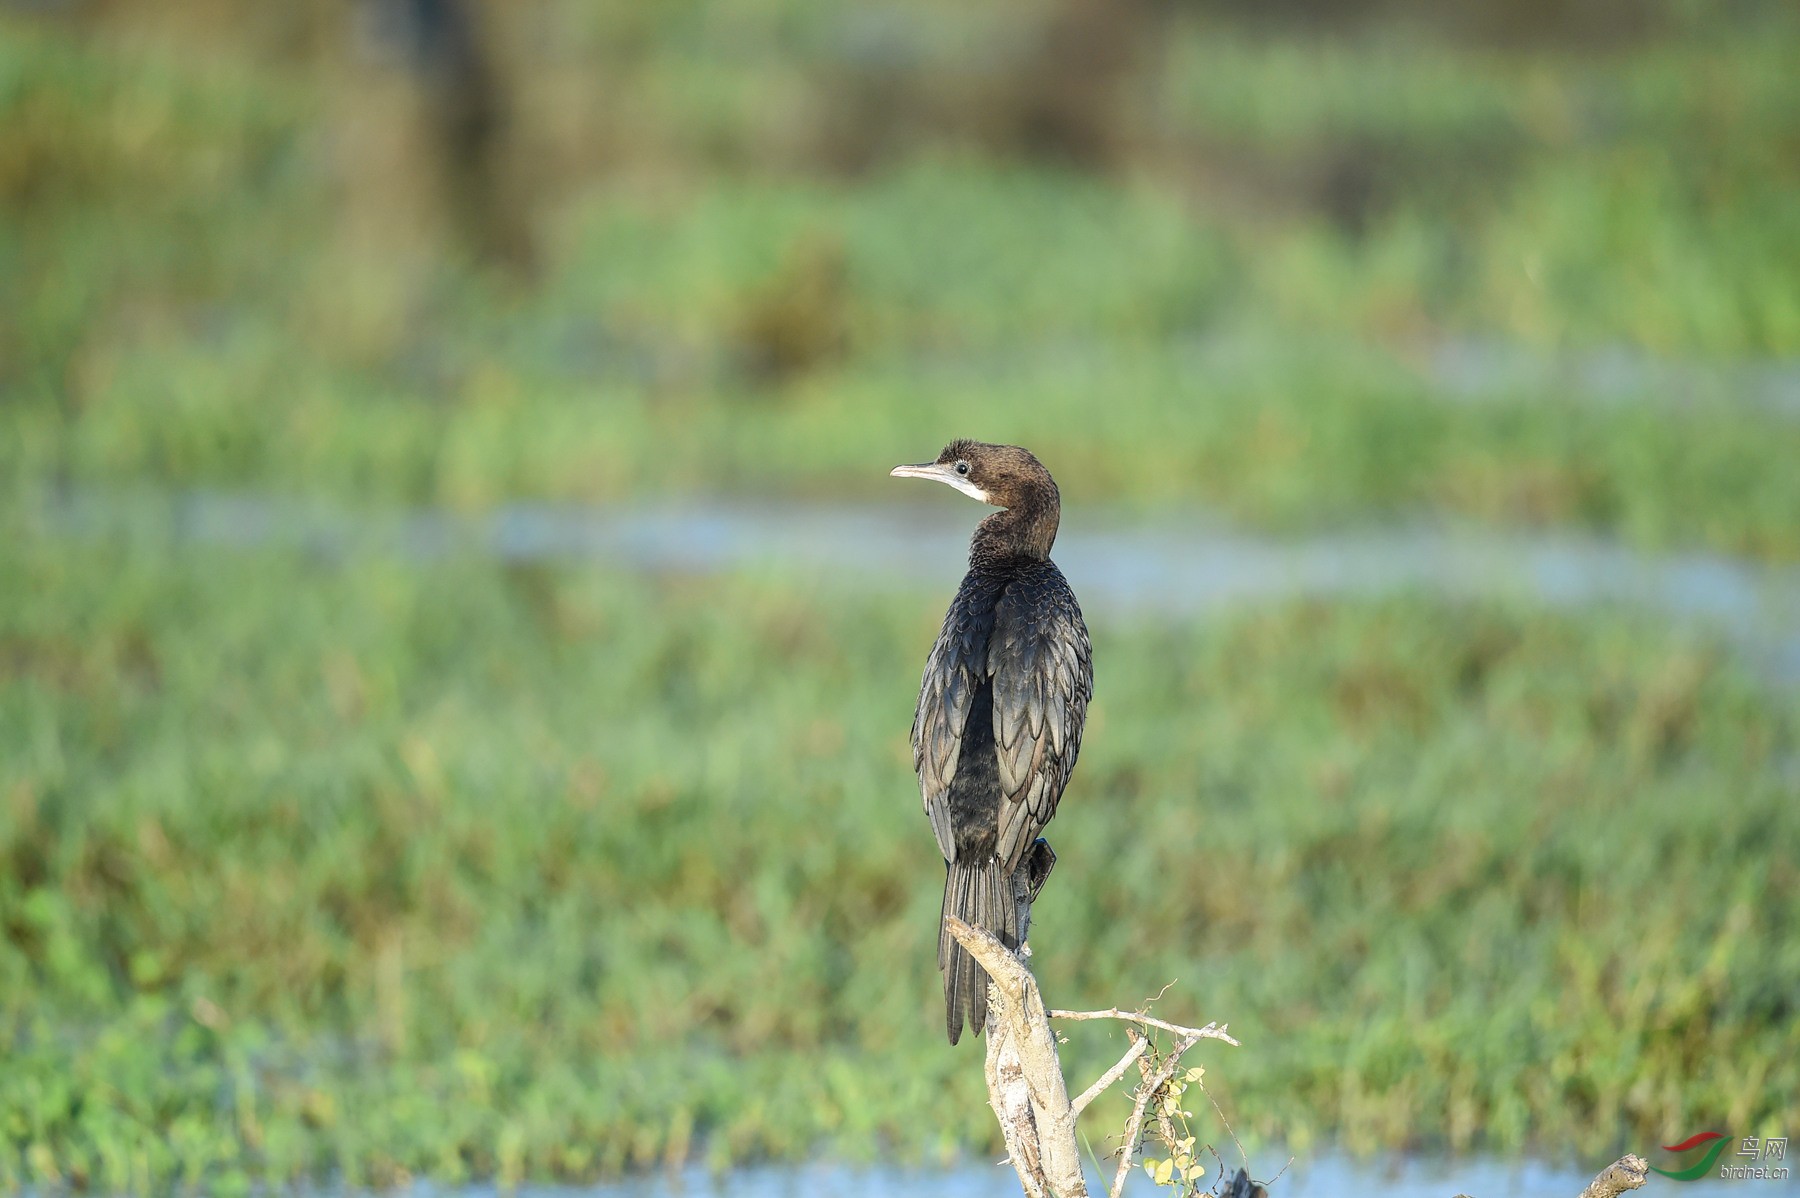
1027 529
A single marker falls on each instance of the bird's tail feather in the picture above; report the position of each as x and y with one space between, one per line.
978 893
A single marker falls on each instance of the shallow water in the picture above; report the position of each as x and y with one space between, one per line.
1324 1177
1474 368
1122 566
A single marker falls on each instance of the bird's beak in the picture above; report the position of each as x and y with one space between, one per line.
939 472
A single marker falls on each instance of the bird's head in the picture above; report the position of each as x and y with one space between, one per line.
1002 475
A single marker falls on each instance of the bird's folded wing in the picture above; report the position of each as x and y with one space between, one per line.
1042 669
952 674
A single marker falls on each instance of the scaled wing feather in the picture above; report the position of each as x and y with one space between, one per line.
1042 669
945 694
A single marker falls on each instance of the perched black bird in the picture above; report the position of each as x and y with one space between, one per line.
1001 706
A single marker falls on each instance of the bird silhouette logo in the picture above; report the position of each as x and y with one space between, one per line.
1715 1142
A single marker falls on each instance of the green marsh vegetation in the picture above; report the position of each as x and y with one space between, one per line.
222 272
546 871
386 868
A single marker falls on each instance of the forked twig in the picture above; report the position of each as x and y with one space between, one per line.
1212 1031
1134 1127
1025 1081
1137 1049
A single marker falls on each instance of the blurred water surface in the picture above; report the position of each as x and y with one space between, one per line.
1330 1176
1172 564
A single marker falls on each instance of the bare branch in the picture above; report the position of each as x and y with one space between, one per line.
1008 972
1031 1100
1010 1096
1627 1173
1212 1031
1024 1076
1110 1076
1025 1081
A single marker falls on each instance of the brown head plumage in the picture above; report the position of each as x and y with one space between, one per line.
1005 476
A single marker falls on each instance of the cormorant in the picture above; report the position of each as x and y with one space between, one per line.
1001 707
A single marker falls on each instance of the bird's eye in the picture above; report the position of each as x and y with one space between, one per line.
962 467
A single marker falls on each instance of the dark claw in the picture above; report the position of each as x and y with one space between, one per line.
1039 861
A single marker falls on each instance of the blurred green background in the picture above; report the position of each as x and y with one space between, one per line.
377 866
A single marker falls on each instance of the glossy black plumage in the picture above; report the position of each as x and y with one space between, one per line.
1001 706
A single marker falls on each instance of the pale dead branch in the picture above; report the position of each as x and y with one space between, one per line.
1212 1031
1139 1044
1025 1081
1031 1099
1627 1173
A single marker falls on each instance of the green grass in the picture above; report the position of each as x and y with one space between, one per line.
466 870
372 869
